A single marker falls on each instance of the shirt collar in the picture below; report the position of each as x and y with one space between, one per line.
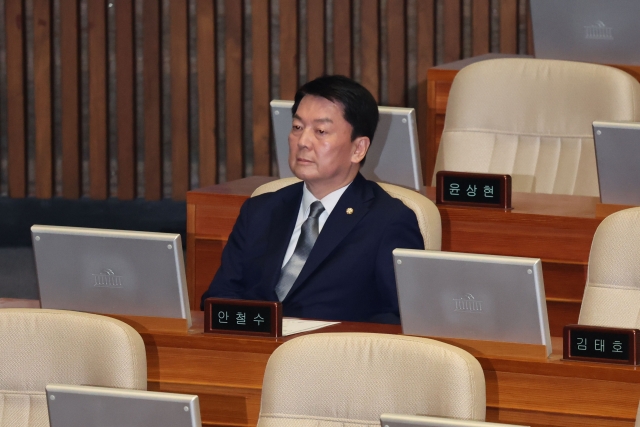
329 201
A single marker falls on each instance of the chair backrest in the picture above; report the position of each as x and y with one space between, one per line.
612 293
532 118
426 211
338 379
39 347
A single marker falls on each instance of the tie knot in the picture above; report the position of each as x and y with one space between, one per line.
316 209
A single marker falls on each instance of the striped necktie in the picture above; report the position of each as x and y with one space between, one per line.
308 235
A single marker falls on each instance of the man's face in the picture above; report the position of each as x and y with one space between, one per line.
321 152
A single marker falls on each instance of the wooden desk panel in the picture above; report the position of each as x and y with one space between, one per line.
557 229
439 81
226 373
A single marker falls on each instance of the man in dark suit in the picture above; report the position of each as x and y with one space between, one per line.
322 246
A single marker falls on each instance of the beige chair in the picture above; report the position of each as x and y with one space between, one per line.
531 118
349 379
426 211
612 294
40 347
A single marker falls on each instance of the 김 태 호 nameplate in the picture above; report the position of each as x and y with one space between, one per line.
473 189
601 344
242 317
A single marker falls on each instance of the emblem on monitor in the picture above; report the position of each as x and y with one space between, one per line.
598 31
468 303
107 279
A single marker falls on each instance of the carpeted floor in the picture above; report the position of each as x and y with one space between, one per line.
18 273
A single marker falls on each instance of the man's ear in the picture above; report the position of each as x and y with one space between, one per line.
361 146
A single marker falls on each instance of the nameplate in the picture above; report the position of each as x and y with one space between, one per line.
600 344
473 189
242 317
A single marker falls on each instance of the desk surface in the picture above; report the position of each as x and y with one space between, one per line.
226 372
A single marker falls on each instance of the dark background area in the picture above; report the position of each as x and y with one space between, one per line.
17 265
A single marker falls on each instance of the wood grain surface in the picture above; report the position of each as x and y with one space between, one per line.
42 88
125 99
16 143
70 99
152 71
98 136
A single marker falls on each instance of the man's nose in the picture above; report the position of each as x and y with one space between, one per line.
305 138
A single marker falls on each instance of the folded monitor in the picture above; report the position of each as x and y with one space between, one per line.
471 296
397 420
394 154
601 31
84 406
111 271
618 160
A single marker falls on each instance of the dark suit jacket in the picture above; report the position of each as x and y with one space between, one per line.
349 273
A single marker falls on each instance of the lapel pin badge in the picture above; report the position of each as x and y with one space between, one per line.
349 211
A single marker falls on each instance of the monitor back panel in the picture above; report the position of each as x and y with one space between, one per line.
601 31
82 406
470 296
618 160
394 154
398 420
111 271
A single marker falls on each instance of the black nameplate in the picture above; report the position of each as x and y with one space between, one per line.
473 189
242 317
599 344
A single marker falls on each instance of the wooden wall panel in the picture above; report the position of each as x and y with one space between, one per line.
357 29
370 46
179 99
42 89
260 87
125 100
70 99
233 89
152 101
207 92
452 17
98 152
508 26
288 48
16 147
425 46
481 27
342 39
315 38
397 52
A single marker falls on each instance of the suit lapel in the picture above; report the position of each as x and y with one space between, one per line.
358 197
281 227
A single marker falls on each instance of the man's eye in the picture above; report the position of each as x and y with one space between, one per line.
321 131
296 127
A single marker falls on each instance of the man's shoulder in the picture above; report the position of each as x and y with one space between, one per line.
288 193
385 202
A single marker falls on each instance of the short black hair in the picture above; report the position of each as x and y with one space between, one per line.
360 107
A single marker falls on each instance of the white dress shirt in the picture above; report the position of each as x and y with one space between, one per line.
329 202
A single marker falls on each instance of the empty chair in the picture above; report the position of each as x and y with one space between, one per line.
39 347
612 293
426 211
334 379
532 118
